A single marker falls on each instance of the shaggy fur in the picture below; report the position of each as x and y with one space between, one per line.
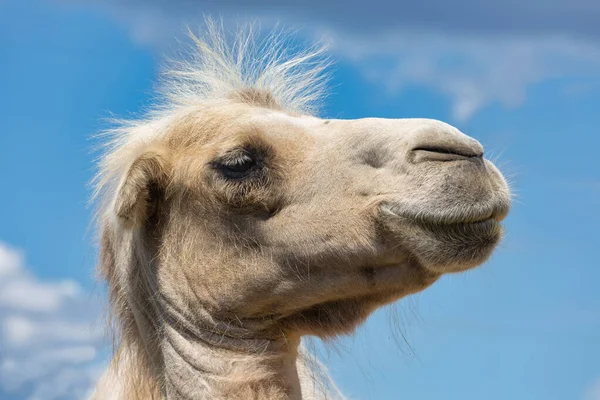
233 222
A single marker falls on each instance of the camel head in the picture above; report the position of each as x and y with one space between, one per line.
245 215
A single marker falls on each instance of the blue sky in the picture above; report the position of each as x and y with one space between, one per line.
524 326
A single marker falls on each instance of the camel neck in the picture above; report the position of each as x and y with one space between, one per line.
212 365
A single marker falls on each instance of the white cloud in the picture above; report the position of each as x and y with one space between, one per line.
17 330
20 290
34 367
20 331
17 293
593 392
473 71
50 337
74 381
10 261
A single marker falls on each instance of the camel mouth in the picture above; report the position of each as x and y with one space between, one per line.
476 228
467 218
483 228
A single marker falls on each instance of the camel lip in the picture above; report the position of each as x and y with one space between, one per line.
481 228
496 214
488 224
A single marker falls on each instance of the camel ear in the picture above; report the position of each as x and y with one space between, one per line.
144 183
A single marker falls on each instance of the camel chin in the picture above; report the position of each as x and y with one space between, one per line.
446 247
455 247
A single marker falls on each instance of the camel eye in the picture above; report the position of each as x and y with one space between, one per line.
237 166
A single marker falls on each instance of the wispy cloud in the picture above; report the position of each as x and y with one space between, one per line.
50 338
593 392
473 71
475 53
474 16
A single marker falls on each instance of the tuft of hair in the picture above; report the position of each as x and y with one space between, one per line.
223 63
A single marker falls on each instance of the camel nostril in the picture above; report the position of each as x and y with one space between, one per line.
444 153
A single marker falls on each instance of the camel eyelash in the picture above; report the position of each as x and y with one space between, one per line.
239 164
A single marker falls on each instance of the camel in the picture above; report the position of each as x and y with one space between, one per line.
234 221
